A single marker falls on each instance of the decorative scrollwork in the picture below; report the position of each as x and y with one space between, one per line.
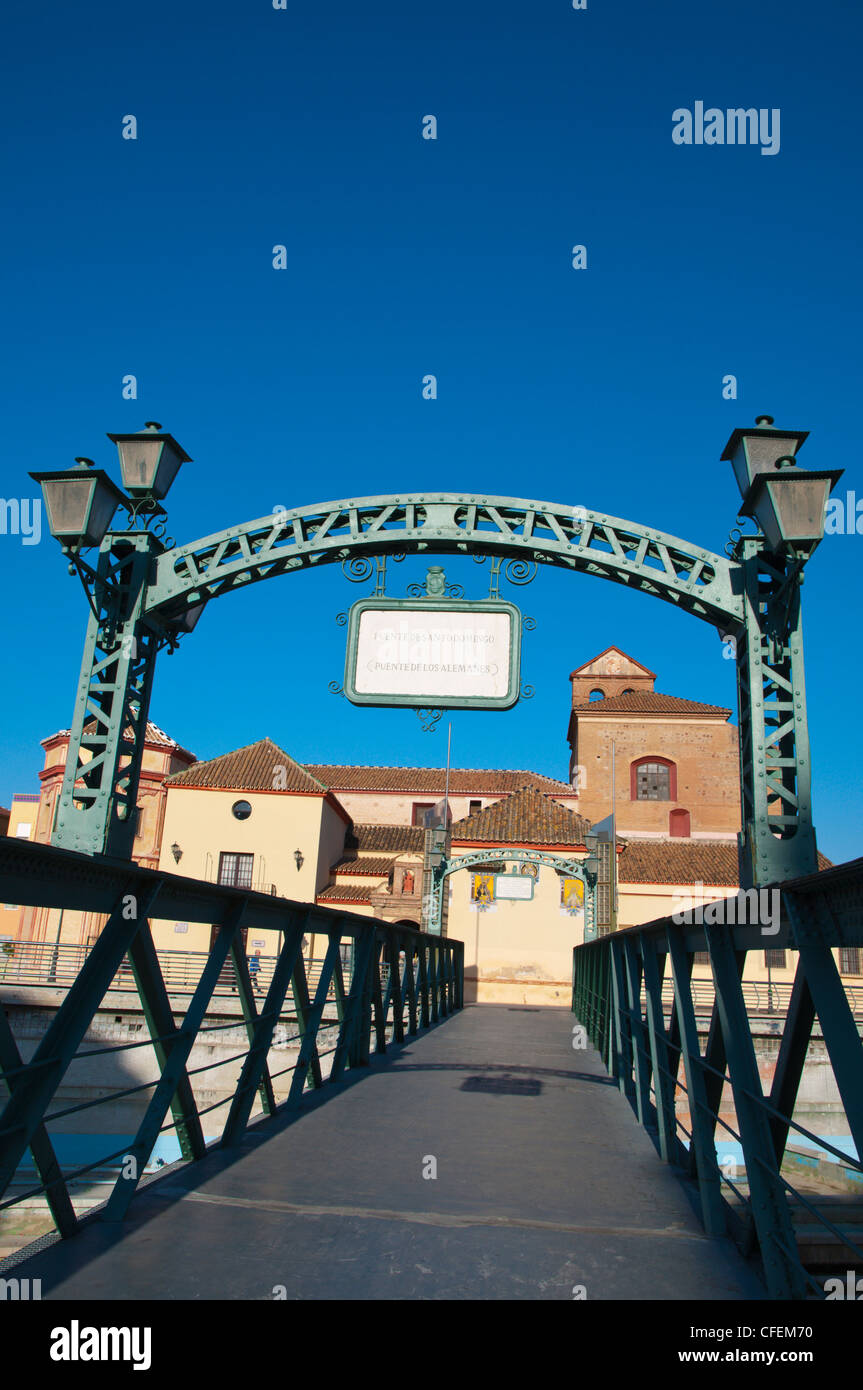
449 591
357 568
341 619
529 623
734 538
429 718
479 559
520 571
335 688
527 692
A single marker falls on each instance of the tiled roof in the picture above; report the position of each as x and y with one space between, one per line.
154 735
393 838
683 861
583 669
648 702
253 768
526 817
376 865
431 781
346 893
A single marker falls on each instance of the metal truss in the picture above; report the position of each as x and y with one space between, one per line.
778 837
646 560
572 868
97 810
401 981
145 596
617 995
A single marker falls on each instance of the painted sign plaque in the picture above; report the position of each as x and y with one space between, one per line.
513 887
434 652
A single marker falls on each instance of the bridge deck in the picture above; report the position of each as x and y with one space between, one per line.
544 1181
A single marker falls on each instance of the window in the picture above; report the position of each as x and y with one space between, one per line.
418 813
850 960
628 691
235 870
474 807
775 959
241 810
653 779
678 825
597 695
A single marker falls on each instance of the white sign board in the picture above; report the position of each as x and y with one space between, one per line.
433 654
516 886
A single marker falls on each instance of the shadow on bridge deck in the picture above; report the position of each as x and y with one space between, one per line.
544 1181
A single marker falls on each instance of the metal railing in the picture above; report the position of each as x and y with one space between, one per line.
759 996
42 964
399 981
620 985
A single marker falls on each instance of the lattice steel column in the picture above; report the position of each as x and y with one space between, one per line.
96 812
777 841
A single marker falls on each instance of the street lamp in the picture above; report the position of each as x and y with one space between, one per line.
149 461
786 502
80 503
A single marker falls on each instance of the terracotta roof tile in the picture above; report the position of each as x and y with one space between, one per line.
648 702
154 735
346 893
375 865
249 769
526 817
683 861
430 780
393 838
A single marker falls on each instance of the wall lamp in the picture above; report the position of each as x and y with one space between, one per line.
177 852
298 859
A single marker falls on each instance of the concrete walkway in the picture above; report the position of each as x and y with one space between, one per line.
544 1182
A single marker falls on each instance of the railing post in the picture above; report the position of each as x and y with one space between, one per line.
636 1031
26 1106
255 1065
701 1139
841 1038
776 1238
662 1081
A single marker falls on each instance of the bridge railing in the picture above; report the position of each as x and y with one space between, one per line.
42 964
620 985
400 980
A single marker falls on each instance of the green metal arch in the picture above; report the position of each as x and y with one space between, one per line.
471 859
476 858
707 585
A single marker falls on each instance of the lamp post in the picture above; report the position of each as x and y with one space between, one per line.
787 503
97 804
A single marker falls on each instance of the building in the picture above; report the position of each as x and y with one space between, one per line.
664 768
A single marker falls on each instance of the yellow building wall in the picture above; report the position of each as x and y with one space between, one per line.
511 947
200 821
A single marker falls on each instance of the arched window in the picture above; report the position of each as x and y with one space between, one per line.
597 695
653 779
678 825
628 691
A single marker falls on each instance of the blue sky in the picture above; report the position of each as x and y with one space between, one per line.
406 257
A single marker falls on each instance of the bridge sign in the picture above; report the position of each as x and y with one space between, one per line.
434 652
